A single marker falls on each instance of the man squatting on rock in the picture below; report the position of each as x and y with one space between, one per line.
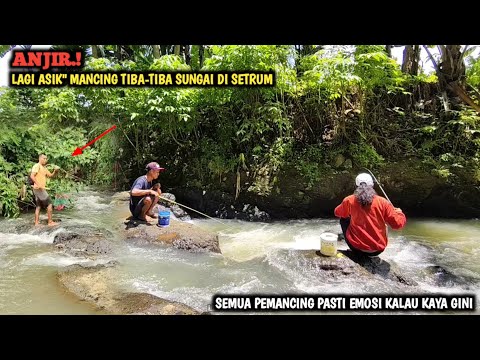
143 195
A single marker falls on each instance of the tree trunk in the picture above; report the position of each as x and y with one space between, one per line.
452 68
156 51
451 73
305 50
201 51
188 56
95 51
411 57
388 50
451 65
128 52
462 94
118 52
164 49
176 51
416 61
98 51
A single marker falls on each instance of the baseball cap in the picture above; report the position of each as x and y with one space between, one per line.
364 178
153 166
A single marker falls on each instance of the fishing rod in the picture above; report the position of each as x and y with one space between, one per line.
379 185
193 210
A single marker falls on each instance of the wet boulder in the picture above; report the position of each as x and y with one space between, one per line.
83 241
97 285
178 234
168 202
312 264
377 266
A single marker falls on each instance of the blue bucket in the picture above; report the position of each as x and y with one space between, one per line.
164 218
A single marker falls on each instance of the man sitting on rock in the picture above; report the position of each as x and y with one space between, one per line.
143 195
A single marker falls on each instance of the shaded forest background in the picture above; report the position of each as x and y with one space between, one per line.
334 111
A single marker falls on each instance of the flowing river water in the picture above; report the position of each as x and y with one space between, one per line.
441 255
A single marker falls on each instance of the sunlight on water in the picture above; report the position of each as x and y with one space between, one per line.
257 258
28 282
23 239
436 231
243 241
91 203
57 260
245 246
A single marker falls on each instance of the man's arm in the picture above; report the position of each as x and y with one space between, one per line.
138 191
49 174
32 176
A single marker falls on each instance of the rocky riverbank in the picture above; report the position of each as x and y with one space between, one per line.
98 280
410 185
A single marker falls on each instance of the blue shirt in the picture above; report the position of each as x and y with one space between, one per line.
142 184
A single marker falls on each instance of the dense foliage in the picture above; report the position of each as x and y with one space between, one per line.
330 110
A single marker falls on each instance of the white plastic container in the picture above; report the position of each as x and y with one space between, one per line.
328 244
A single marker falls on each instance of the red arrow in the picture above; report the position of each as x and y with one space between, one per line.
79 151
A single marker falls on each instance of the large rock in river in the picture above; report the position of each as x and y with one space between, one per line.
167 202
84 240
178 234
97 285
345 266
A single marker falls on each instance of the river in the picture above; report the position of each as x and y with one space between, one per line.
441 255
